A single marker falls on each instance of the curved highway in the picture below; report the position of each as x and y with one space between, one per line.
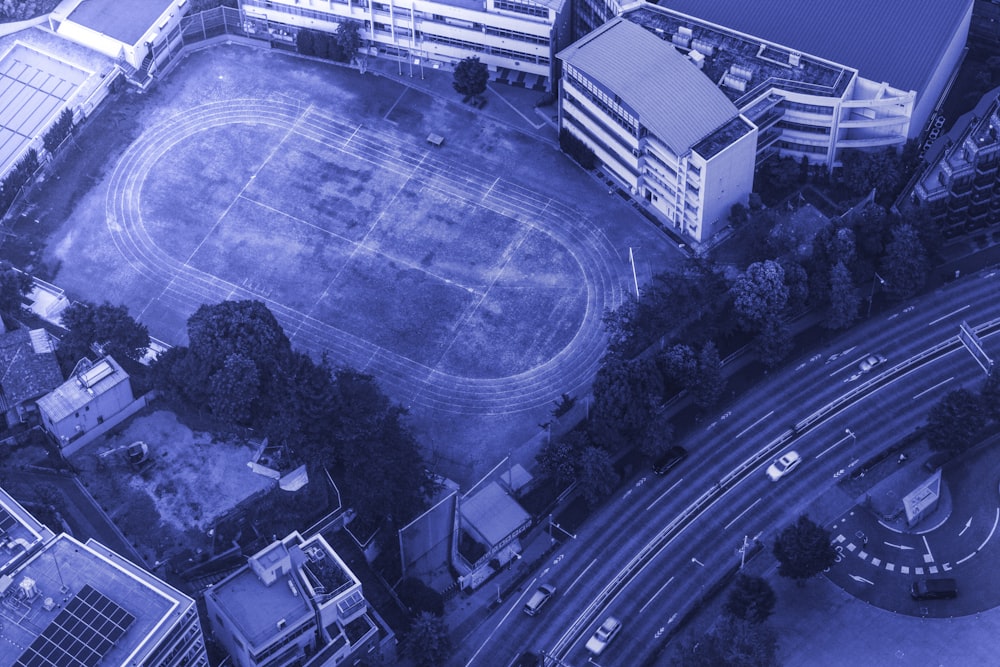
655 547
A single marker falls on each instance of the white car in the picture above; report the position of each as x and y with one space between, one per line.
784 465
603 636
870 362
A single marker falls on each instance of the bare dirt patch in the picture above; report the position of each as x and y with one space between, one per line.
192 477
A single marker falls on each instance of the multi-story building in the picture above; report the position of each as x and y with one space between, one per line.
295 603
63 602
960 189
689 156
514 38
680 109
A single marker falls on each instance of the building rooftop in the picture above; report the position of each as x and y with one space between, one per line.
108 17
122 608
27 369
20 533
743 67
299 570
81 389
493 513
714 143
638 66
899 42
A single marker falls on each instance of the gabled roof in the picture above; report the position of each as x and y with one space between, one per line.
671 97
25 372
899 42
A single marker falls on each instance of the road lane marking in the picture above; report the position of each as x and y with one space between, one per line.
853 364
929 389
570 587
672 487
967 524
740 434
740 515
643 608
898 546
529 588
993 530
928 557
944 317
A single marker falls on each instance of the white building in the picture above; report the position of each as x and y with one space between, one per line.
94 394
680 109
514 38
295 603
143 36
63 602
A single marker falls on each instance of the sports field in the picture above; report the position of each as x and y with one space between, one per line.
472 287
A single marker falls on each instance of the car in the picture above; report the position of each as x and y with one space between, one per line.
870 362
526 660
666 462
785 464
603 636
934 589
538 599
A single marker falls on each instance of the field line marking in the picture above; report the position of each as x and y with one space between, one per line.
527 120
391 109
253 176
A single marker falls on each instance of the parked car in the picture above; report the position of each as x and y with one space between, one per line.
669 460
934 589
603 636
785 464
870 362
538 599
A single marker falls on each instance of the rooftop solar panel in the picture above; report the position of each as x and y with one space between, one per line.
81 635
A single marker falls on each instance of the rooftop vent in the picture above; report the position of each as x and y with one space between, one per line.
793 58
703 47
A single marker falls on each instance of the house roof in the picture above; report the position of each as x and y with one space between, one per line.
81 389
900 42
639 67
108 17
493 513
27 368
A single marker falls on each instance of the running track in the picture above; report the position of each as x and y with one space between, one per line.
412 383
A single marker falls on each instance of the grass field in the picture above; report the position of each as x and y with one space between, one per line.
467 279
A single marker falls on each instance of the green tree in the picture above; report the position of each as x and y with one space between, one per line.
470 76
733 643
59 131
797 280
626 395
110 327
880 170
845 299
348 39
710 384
956 421
427 643
904 265
235 388
803 550
679 365
750 599
658 436
558 458
597 477
989 394
760 295
773 342
305 42
14 286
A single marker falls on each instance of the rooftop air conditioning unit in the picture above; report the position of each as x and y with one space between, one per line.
681 40
794 58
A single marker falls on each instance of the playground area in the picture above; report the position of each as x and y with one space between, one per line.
465 277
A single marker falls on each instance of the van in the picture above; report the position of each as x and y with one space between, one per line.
934 589
538 599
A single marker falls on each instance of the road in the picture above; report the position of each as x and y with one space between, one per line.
637 560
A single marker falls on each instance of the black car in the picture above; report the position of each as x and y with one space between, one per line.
666 462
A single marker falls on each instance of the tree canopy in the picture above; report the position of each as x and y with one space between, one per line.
956 421
733 643
14 286
904 265
108 326
427 643
471 76
803 550
750 599
597 475
760 295
845 299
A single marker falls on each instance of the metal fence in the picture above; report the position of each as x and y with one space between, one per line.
212 23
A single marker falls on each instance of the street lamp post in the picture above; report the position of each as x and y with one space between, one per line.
871 296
